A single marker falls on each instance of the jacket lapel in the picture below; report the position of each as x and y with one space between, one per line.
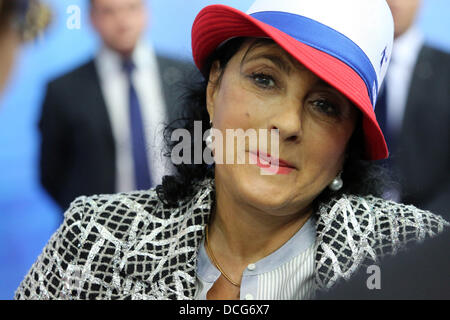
345 239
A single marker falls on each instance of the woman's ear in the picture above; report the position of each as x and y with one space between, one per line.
213 87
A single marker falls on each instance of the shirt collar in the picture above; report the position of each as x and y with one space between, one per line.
407 47
143 57
300 242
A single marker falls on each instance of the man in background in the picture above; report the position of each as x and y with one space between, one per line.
414 112
102 123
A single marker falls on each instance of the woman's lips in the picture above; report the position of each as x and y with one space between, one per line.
271 164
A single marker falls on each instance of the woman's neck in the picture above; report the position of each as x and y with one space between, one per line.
245 234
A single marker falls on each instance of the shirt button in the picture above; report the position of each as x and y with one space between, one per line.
248 296
251 267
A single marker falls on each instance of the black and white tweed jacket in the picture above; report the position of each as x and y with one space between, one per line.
132 246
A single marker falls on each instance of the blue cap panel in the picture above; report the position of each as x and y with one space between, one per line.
325 39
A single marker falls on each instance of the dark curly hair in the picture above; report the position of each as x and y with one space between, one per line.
6 13
360 177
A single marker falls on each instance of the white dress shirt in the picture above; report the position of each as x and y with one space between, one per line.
403 62
115 88
399 76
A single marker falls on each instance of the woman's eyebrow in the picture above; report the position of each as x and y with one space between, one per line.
285 65
278 60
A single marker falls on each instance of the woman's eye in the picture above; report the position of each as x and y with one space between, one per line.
326 107
263 80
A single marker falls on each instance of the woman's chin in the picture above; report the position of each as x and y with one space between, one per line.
262 189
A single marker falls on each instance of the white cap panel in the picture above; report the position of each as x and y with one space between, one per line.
368 23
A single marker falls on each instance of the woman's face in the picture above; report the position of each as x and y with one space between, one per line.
263 87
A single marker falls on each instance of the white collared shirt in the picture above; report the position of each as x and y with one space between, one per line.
285 274
115 88
404 58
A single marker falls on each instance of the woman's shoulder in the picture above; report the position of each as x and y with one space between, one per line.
115 212
132 212
92 243
353 231
387 221
108 239
387 209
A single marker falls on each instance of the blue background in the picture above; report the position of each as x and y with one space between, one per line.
28 217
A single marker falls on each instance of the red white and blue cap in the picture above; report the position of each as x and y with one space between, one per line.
347 43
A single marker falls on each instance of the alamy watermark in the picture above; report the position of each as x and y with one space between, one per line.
261 147
73 21
374 280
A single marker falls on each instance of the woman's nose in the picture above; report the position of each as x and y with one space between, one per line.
288 121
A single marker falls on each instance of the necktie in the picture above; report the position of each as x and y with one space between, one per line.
381 111
140 160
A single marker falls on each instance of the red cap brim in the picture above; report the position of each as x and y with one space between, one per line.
218 23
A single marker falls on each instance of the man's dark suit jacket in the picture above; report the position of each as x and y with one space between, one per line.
422 156
78 154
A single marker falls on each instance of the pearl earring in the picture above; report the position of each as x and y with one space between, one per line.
337 183
209 138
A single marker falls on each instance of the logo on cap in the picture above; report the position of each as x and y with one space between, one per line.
384 57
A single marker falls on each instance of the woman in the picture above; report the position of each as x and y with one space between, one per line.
20 20
307 70
9 40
